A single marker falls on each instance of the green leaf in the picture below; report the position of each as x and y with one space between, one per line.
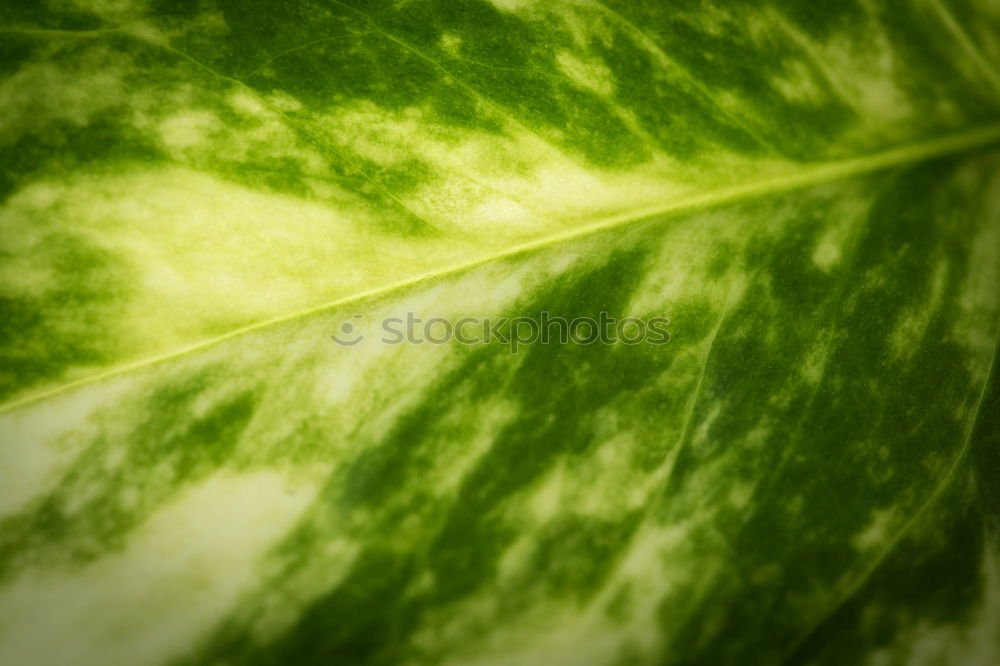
196 196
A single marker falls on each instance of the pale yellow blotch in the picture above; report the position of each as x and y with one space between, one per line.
187 129
452 629
700 434
712 20
877 531
830 248
545 634
591 75
608 486
499 211
858 65
21 273
38 444
495 187
873 88
283 602
516 558
545 501
180 572
377 135
761 435
798 84
813 367
682 267
451 44
39 94
207 254
243 102
493 289
192 129
344 380
913 323
283 102
660 561
578 19
460 456
513 5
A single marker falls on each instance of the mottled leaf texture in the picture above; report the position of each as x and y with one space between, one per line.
195 195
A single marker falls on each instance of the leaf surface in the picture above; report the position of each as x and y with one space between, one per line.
197 196
174 172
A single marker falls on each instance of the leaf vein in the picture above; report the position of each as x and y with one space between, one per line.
800 178
938 491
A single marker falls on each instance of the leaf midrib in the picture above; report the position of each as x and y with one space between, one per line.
804 177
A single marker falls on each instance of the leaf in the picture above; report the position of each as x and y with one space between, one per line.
197 196
176 173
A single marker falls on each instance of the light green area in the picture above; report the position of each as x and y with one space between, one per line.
200 168
195 196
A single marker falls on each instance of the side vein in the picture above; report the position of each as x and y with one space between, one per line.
908 526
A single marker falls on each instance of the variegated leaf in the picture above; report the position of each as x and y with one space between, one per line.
196 195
